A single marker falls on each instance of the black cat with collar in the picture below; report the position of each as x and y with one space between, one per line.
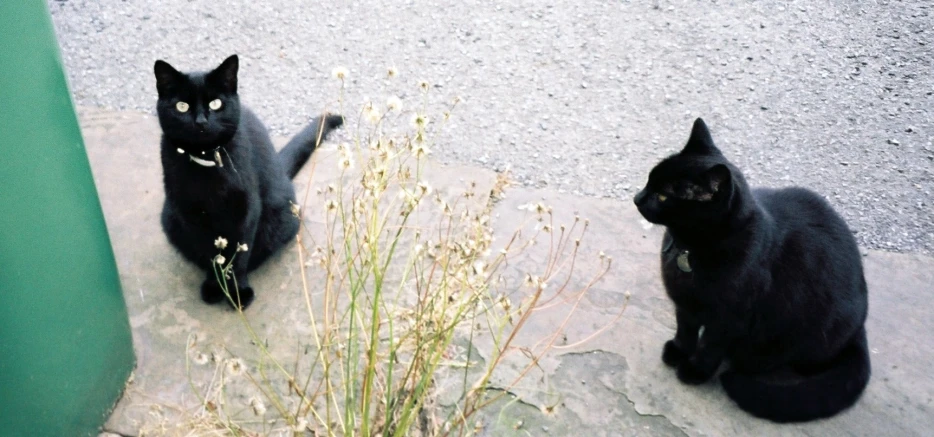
769 280
222 176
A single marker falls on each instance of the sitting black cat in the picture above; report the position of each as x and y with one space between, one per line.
222 176
771 280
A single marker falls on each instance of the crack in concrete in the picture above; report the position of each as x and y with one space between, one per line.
641 414
623 392
515 398
586 352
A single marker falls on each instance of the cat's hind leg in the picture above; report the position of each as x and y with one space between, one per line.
276 230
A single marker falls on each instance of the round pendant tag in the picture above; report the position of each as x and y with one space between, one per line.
683 262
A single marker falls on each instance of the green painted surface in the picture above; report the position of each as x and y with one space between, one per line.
65 344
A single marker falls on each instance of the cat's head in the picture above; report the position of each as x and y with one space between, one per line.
690 189
198 109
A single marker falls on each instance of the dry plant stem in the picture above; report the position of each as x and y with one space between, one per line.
531 307
202 398
320 341
317 337
221 277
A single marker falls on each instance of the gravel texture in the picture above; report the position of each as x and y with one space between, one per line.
582 97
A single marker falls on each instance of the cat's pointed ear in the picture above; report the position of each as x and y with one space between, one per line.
166 76
700 142
226 74
718 178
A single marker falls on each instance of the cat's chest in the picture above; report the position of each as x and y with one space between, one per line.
209 195
678 273
688 278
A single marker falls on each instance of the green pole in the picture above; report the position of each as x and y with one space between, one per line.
65 345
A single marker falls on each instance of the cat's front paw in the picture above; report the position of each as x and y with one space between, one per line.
691 373
672 354
211 292
244 296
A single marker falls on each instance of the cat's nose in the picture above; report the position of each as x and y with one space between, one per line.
201 120
640 197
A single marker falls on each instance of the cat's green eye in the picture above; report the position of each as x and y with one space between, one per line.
215 104
181 107
661 197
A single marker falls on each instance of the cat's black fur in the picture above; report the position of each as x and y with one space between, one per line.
775 279
248 199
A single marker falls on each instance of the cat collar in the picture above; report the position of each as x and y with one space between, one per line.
684 260
204 162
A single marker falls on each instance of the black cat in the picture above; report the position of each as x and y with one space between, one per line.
222 176
770 280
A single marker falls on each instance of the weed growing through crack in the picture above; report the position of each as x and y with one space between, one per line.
412 283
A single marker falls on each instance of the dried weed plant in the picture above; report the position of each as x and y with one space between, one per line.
412 276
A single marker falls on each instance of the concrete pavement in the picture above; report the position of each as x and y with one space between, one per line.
612 385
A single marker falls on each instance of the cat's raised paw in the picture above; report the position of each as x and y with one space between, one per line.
672 355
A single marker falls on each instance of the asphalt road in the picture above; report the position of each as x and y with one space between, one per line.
582 97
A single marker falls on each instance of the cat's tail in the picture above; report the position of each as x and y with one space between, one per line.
294 155
816 396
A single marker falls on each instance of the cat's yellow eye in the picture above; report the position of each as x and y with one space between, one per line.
662 197
215 104
181 107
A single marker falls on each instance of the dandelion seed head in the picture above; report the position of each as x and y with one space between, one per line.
235 367
345 163
220 260
340 73
371 114
478 268
394 103
419 120
421 151
423 188
259 408
242 247
220 243
200 358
